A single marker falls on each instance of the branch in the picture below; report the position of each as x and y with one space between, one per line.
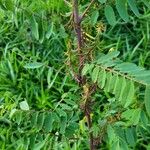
77 27
86 10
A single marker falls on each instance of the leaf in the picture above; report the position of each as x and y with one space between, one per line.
50 31
127 114
48 123
32 140
147 3
41 31
34 118
130 94
40 145
61 112
34 28
147 99
116 145
108 82
102 78
24 105
102 1
111 134
132 4
71 128
63 124
110 15
13 111
19 117
132 116
33 65
12 74
94 17
144 119
135 117
49 75
95 74
121 6
85 69
118 87
66 107
130 136
104 59
123 86
126 67
112 83
143 73
40 121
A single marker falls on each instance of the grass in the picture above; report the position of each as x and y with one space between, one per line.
48 88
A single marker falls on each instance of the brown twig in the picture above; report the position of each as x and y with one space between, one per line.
81 58
77 26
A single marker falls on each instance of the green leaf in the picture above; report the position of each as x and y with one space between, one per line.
49 75
33 65
63 124
95 74
102 1
12 74
126 67
102 78
130 136
34 28
111 55
116 145
132 116
116 83
85 69
19 117
66 107
94 17
147 3
112 83
108 82
121 6
118 87
135 117
143 73
130 94
111 134
50 31
147 99
40 145
123 86
48 123
110 15
61 112
132 4
32 140
40 121
34 118
24 105
41 31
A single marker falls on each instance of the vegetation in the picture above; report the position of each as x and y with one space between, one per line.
74 74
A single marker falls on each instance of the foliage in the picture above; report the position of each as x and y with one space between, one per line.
42 107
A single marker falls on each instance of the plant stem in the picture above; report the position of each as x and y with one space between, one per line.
81 58
89 122
77 26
